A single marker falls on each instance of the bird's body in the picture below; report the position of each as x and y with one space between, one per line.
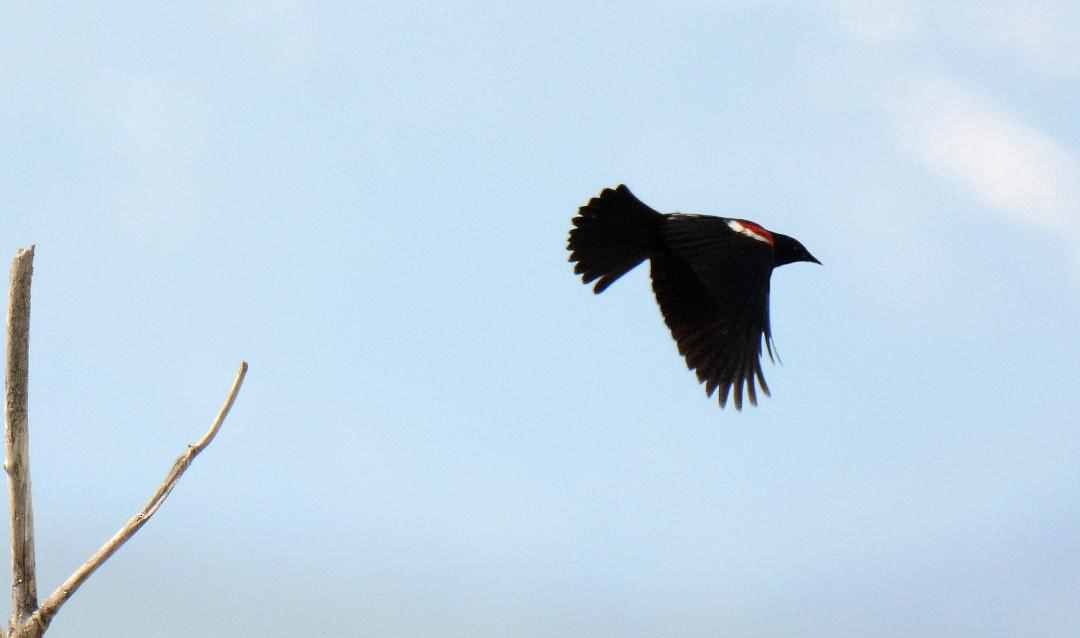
710 276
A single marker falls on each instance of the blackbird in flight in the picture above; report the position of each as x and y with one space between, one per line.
710 276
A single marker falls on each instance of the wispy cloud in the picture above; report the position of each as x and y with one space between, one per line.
1006 164
960 131
877 22
283 29
1042 35
158 133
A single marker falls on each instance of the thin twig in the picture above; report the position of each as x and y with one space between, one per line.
52 604
17 439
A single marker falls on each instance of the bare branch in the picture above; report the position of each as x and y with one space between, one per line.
44 615
17 439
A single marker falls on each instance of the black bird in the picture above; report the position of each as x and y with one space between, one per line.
710 276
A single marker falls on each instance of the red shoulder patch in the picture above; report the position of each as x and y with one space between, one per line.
750 229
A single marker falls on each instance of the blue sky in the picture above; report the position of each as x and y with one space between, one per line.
443 432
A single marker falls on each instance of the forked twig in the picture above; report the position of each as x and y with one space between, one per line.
28 620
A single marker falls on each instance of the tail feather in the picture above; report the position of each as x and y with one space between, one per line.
612 234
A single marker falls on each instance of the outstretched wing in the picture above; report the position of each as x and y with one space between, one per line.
712 284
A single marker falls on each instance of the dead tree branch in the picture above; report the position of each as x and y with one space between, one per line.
17 439
28 620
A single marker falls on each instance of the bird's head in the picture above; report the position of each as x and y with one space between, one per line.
788 250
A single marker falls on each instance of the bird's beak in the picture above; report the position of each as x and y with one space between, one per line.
813 259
